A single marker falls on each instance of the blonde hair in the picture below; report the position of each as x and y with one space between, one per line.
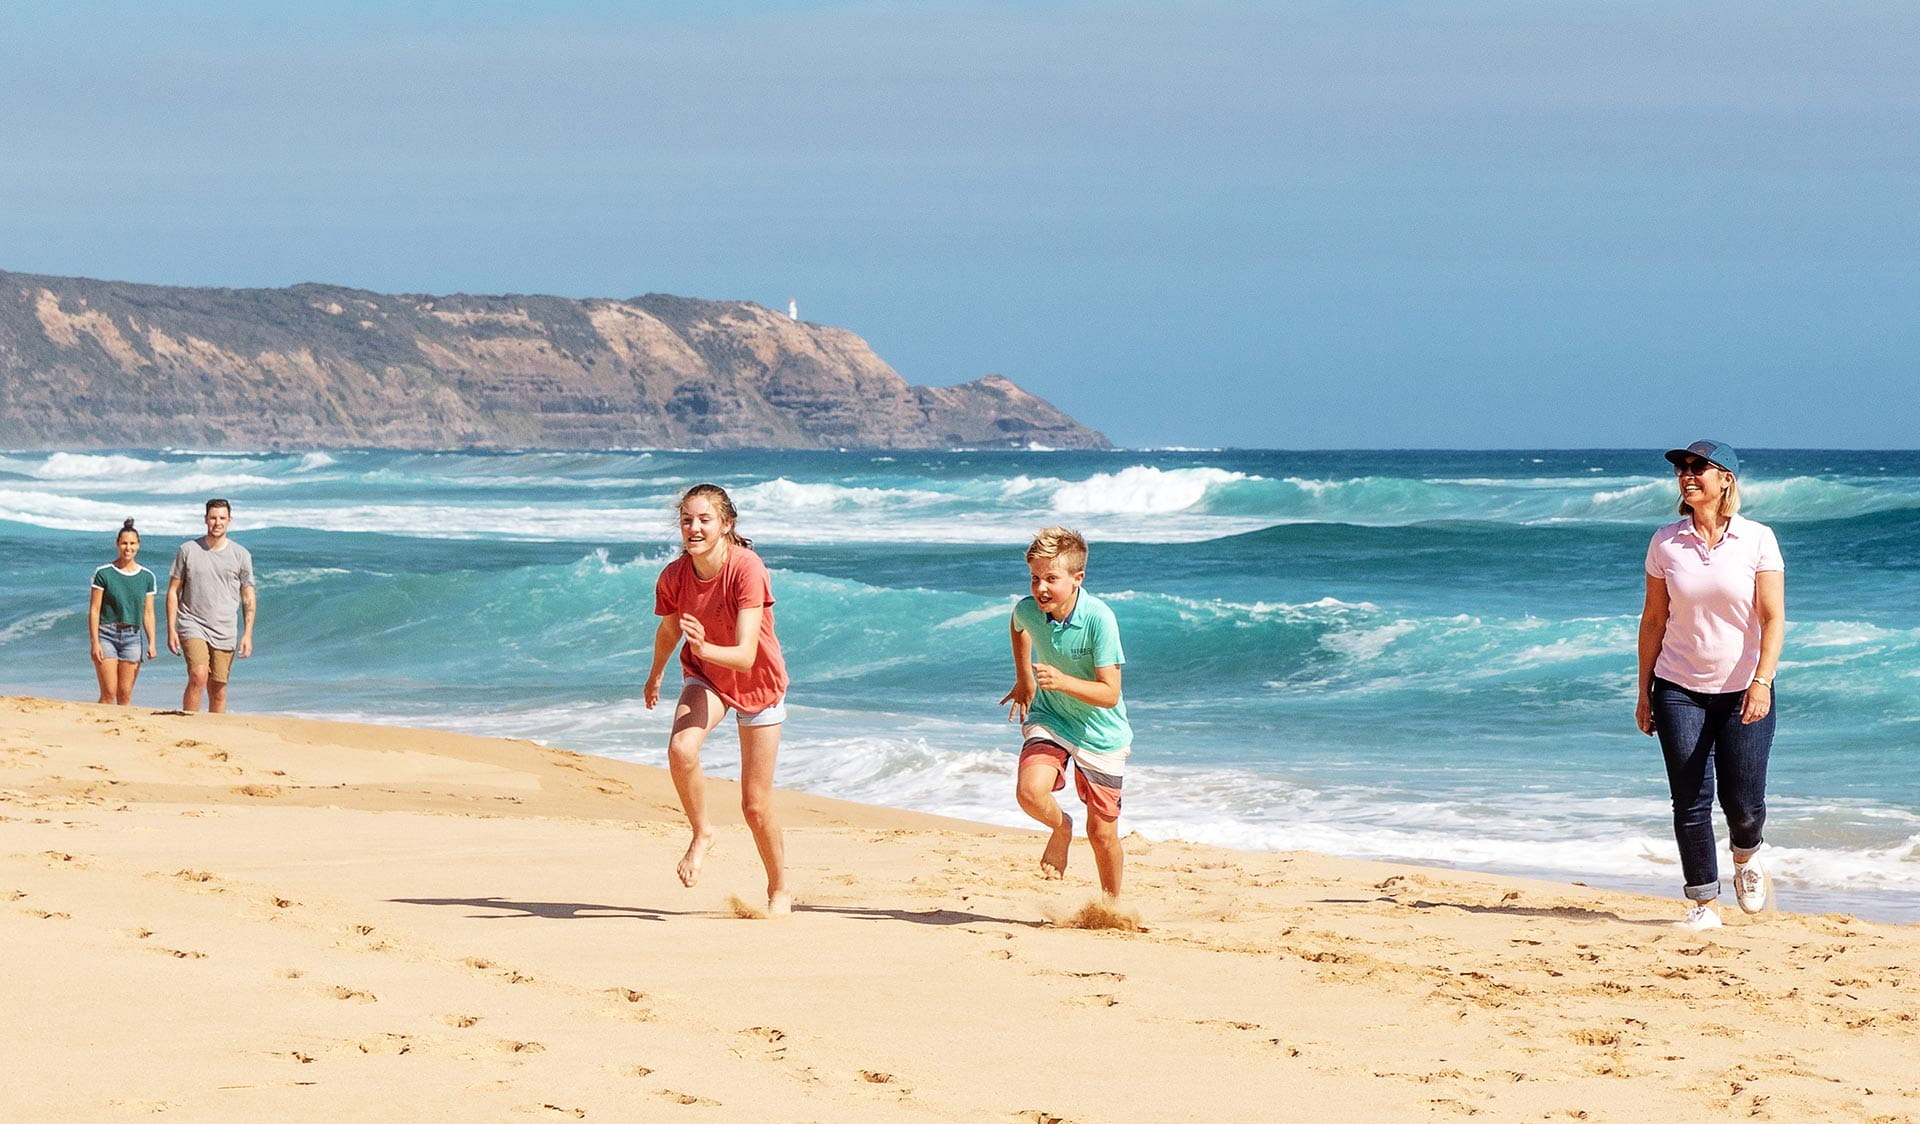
1062 543
1729 499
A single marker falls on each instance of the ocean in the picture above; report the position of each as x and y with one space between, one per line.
1421 656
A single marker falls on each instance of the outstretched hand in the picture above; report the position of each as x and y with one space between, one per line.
1021 697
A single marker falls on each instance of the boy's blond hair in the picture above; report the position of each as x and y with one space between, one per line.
1062 543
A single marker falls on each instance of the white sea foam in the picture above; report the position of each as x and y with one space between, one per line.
1141 489
39 622
986 615
300 575
72 513
86 466
1366 643
784 495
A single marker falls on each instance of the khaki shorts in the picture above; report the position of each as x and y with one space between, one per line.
217 661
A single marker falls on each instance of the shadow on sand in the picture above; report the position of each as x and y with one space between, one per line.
917 917
557 911
1564 913
587 911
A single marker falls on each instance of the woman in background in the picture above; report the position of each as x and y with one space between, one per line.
120 618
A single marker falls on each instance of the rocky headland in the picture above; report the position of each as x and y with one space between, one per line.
105 364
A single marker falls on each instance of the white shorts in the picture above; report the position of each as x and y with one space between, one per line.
771 715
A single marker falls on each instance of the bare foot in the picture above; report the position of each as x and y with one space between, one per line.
1053 860
689 868
779 903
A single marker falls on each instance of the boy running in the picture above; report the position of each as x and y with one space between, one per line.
1066 695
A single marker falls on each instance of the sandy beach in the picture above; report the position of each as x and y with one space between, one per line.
252 918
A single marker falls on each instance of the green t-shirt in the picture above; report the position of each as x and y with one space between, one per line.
1088 639
125 599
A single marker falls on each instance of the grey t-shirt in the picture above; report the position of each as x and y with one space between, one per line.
210 591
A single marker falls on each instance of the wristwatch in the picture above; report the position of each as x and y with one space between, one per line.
1764 681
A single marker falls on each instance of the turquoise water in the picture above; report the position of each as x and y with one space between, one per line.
1421 656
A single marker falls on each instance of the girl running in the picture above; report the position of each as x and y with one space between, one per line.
717 596
119 606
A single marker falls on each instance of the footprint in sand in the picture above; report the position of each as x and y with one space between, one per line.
626 1003
689 1099
768 1048
352 993
506 975
1228 1024
513 1046
460 1022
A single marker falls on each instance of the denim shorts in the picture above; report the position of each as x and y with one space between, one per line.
122 642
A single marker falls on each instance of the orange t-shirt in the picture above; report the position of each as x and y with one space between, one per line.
742 583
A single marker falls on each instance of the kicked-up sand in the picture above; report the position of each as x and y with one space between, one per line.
246 918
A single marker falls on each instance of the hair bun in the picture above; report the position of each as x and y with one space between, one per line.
127 526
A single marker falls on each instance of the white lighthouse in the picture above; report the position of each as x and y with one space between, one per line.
793 309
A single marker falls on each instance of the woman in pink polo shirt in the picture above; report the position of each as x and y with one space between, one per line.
1710 636
717 597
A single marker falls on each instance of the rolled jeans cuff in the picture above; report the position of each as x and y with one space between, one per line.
1706 893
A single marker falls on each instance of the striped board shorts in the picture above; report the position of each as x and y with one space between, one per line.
1096 776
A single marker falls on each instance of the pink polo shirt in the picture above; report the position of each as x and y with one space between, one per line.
1712 641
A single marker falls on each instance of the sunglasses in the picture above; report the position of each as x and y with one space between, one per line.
1692 467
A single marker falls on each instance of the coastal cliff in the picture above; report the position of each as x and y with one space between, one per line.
106 364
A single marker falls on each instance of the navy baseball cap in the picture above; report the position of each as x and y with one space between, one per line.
1719 452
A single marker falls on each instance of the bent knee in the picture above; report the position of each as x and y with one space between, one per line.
1034 794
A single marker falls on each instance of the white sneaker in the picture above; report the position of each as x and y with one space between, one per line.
1750 885
1701 916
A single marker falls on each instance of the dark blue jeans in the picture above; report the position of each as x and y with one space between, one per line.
1701 735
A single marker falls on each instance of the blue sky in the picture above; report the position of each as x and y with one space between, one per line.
1285 225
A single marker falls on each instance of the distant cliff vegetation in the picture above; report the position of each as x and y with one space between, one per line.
103 364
